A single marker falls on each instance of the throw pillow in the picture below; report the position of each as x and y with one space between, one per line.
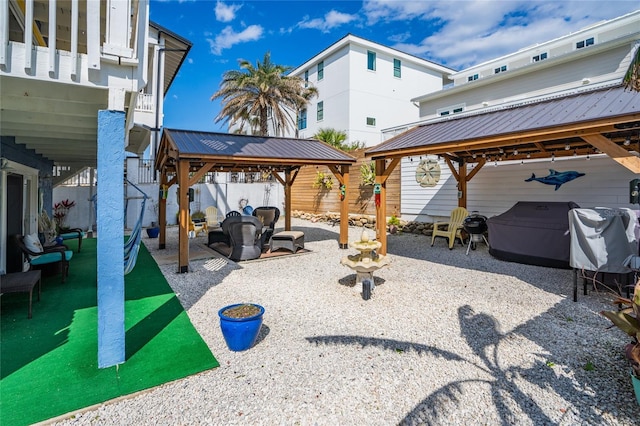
32 243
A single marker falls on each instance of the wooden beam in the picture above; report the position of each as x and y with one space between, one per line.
162 211
287 199
476 169
389 168
514 139
183 219
454 172
617 153
381 210
343 242
201 172
279 179
462 185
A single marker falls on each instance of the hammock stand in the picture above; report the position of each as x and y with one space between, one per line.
132 245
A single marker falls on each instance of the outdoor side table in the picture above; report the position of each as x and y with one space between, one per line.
21 282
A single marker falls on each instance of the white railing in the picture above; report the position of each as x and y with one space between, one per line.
123 36
145 102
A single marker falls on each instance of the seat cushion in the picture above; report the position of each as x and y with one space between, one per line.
51 258
71 235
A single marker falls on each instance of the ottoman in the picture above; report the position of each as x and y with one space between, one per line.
289 240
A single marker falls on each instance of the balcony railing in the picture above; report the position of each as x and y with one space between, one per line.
145 102
56 39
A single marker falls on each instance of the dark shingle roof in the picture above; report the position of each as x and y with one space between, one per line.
230 146
582 107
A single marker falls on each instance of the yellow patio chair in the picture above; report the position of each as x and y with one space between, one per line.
450 230
197 227
211 215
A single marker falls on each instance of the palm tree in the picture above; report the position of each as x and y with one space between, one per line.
257 92
337 139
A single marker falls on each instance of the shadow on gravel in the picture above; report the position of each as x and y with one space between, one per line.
315 233
350 280
482 334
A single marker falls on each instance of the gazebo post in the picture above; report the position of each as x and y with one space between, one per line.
381 208
344 210
162 211
462 184
287 199
183 228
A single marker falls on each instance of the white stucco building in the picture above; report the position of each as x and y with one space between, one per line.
364 87
592 58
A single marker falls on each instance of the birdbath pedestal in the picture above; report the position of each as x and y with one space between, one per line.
367 261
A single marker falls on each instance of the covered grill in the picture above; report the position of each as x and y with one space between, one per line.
476 225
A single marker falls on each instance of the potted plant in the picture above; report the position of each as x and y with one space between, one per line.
154 230
323 181
368 173
240 325
627 319
393 223
60 212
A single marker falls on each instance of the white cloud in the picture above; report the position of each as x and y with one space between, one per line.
226 12
331 19
228 38
190 61
469 32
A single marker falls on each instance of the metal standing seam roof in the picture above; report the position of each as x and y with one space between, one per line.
576 108
207 144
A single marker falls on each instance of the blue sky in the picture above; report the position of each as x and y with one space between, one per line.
455 33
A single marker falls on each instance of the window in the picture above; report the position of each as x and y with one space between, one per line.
454 109
585 43
371 60
302 120
320 70
371 121
397 68
472 77
540 57
498 70
306 78
320 114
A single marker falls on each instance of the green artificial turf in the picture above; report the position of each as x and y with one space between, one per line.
48 364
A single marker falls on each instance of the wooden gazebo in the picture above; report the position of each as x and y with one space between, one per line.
606 120
184 157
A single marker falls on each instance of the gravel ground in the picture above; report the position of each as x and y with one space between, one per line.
445 339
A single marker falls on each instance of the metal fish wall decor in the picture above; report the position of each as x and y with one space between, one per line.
556 178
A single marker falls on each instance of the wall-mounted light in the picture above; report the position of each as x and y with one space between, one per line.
484 155
528 155
627 142
567 147
473 156
515 152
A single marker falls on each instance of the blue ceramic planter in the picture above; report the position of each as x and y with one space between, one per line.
240 334
636 386
153 232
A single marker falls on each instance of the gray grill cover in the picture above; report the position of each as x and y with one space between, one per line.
602 238
532 232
